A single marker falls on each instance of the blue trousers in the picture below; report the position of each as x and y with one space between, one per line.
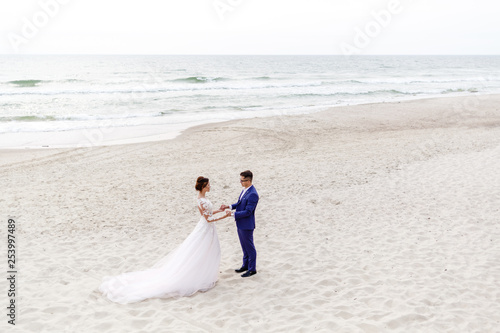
249 252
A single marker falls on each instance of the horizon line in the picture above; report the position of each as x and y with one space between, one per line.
239 54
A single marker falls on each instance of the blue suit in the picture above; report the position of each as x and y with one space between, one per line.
245 222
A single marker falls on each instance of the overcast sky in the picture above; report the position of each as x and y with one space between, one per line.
249 27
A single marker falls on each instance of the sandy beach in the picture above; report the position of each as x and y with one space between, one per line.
372 218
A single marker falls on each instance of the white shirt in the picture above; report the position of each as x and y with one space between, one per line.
241 196
244 191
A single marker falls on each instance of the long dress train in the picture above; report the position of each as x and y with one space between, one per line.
192 266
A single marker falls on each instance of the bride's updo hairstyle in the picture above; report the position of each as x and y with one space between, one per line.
201 182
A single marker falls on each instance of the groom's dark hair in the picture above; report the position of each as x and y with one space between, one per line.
247 174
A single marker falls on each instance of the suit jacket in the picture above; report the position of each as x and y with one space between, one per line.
245 209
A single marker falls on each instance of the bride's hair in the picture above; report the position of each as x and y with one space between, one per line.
201 182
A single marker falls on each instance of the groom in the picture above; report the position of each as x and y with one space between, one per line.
245 222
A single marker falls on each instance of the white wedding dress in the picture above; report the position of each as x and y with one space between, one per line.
192 266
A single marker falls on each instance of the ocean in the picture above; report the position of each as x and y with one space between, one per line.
163 95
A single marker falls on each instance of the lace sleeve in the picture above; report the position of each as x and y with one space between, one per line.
206 210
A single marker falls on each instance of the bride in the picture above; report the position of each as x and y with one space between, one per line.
192 266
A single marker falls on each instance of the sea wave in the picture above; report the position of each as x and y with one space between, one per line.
449 91
206 83
81 117
28 118
156 89
25 83
35 83
152 90
200 79
410 81
362 93
232 107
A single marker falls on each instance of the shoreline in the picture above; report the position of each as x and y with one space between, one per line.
110 136
14 155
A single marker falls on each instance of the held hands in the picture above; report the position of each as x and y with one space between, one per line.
228 212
